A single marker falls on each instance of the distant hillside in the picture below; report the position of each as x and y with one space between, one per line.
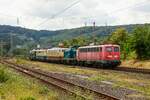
5 29
28 37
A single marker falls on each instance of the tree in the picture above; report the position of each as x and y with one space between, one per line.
120 36
80 41
141 41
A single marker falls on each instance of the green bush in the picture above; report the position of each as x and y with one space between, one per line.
3 76
27 98
132 55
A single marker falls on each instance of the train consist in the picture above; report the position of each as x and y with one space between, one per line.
106 56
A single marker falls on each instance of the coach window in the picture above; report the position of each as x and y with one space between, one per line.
88 49
83 50
92 49
97 49
100 49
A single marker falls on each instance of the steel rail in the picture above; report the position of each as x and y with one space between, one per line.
35 72
133 70
32 74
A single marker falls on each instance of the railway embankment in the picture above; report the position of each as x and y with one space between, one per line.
15 85
117 79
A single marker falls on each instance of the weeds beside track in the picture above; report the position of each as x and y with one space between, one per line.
60 83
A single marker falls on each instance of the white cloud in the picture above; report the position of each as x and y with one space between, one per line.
33 12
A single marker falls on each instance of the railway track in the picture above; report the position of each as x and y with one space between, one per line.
121 68
60 83
134 70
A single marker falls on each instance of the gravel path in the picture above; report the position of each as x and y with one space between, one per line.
104 86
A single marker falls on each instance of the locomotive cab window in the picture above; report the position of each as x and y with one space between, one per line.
116 49
109 49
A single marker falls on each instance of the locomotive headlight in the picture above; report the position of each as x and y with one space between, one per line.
110 56
116 56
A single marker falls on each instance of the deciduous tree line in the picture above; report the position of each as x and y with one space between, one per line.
134 45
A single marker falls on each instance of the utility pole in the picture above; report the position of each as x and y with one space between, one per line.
11 44
106 26
85 24
94 25
18 22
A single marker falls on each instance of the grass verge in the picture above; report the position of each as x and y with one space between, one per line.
14 86
139 82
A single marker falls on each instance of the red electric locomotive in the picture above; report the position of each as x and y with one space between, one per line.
107 55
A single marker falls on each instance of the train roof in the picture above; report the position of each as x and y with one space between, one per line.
57 48
38 50
99 46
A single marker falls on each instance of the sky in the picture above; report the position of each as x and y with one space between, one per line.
50 14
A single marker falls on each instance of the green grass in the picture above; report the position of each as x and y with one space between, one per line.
119 79
13 86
